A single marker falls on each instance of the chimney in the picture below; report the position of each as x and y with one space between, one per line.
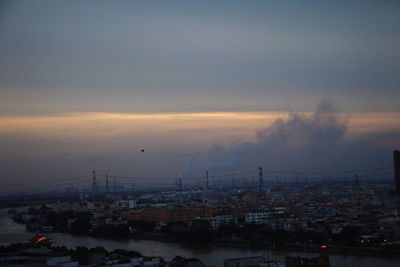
260 180
207 179
94 183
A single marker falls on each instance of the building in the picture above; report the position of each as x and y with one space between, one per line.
218 220
244 262
257 217
261 217
61 261
176 213
179 261
322 261
126 204
36 257
150 262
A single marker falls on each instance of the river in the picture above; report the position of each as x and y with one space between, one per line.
11 232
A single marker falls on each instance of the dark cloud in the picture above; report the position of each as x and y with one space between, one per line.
117 56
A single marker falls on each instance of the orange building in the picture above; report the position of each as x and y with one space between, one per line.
168 214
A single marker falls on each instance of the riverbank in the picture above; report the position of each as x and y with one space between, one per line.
254 245
301 248
290 248
211 254
343 251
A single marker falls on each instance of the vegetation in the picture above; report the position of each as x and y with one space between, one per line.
111 231
81 254
197 231
82 225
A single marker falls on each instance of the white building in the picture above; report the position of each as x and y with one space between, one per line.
218 220
260 217
152 262
257 217
61 261
126 204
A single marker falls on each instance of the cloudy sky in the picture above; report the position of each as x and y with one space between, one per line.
85 84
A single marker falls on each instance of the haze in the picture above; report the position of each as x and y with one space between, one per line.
87 84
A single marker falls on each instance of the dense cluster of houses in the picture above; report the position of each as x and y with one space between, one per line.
372 209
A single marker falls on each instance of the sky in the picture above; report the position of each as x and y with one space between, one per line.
86 84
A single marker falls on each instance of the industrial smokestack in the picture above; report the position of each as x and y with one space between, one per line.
396 159
260 179
94 181
207 179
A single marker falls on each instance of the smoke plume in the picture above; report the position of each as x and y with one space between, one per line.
316 142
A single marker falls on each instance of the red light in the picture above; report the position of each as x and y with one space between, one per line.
41 239
323 246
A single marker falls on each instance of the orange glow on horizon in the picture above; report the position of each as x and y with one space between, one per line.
237 124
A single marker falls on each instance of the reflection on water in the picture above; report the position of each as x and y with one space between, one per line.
11 232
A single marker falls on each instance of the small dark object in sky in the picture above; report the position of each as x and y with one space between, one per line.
142 150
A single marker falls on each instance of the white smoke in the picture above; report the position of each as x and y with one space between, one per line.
300 143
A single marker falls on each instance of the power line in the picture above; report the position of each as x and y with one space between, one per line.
161 181
327 172
49 181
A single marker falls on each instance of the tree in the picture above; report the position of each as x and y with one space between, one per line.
81 226
349 235
201 231
112 231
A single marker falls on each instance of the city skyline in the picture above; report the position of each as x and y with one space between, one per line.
187 133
